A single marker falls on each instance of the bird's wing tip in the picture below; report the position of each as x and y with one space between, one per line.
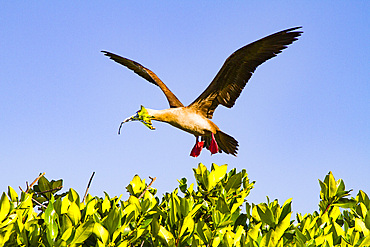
294 28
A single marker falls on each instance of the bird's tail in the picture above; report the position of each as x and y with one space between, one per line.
225 143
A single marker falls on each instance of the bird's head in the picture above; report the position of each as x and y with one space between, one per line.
142 116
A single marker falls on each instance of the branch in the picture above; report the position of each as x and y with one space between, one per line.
142 243
37 179
42 205
46 191
153 179
327 208
88 186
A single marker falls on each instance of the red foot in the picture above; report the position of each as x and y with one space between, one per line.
213 147
197 149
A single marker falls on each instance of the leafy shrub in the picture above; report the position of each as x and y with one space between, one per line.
214 213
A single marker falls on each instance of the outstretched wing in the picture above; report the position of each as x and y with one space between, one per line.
238 68
146 74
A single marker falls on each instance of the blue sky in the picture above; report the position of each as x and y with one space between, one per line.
302 114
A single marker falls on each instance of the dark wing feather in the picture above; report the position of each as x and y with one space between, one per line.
146 74
238 69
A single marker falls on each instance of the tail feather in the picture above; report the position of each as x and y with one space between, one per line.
226 143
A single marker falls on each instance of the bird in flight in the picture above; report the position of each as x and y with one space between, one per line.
223 90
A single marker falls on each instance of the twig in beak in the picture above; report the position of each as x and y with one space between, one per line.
124 121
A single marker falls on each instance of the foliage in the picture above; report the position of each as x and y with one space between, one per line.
215 213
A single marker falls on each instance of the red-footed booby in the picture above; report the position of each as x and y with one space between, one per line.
223 90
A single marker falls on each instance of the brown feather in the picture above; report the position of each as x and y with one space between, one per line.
238 69
225 143
148 75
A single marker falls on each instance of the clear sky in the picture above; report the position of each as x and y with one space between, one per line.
302 114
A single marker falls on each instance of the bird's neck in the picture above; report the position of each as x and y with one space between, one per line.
162 115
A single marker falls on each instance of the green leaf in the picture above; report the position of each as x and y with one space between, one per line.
4 207
66 236
282 226
338 230
363 197
203 232
113 220
355 236
150 200
130 213
65 205
286 209
201 175
187 226
74 213
361 227
183 185
55 184
106 204
265 214
34 232
323 191
217 217
49 213
234 182
332 185
266 239
133 200
51 224
221 206
238 203
334 213
136 186
253 233
345 203
65 223
83 232
20 229
101 232
361 209
174 208
124 244
365 242
44 185
166 237
101 244
155 226
367 220
90 208
12 194
239 235
228 239
195 209
216 175
73 196
185 205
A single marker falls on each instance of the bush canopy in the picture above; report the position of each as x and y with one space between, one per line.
214 212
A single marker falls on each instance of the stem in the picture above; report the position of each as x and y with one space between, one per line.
38 203
37 179
57 188
153 179
88 186
327 208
